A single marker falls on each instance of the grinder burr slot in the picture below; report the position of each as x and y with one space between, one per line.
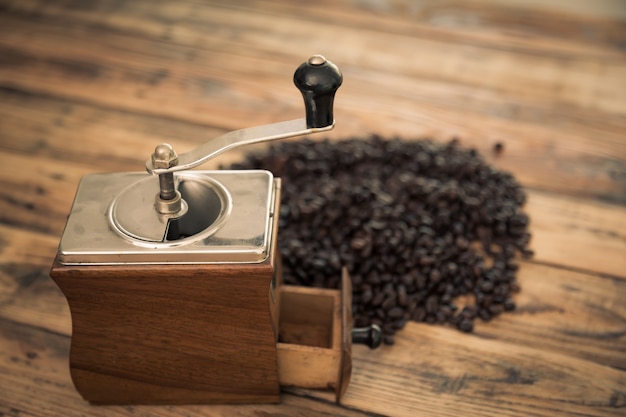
205 205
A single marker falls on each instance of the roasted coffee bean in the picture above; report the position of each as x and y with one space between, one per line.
419 314
466 325
446 311
432 304
398 324
496 309
388 328
389 302
378 299
435 275
509 304
486 286
395 313
484 314
402 297
417 223
468 313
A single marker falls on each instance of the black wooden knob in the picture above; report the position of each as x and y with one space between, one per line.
318 79
371 336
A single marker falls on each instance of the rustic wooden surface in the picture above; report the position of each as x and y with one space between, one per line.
93 86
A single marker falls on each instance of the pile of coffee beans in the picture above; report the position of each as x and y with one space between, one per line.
428 231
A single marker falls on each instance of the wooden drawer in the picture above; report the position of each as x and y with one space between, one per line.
315 337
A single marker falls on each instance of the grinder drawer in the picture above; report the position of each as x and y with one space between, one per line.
315 337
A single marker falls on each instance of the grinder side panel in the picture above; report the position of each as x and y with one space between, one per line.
171 334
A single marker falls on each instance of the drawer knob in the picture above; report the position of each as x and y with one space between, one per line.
371 336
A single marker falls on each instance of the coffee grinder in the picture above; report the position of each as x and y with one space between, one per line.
173 279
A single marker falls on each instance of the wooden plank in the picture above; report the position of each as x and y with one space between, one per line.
525 75
607 9
27 293
38 194
105 138
460 375
571 313
578 233
518 25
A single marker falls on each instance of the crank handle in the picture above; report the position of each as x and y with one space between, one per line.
317 79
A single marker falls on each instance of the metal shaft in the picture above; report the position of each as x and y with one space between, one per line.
166 186
168 201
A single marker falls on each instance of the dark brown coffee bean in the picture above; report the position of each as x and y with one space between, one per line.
366 297
466 325
373 278
486 286
407 280
358 243
487 300
468 312
441 317
484 314
378 299
402 297
419 314
420 281
446 310
398 324
388 329
512 265
395 313
496 309
435 275
431 304
389 302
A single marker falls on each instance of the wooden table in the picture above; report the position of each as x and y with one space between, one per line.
93 86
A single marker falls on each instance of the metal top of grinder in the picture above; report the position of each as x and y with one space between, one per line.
196 216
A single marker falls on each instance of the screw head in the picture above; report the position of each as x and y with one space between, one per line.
316 60
164 156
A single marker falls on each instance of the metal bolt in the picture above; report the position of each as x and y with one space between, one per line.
164 156
168 200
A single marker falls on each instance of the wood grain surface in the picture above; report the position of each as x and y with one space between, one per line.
92 86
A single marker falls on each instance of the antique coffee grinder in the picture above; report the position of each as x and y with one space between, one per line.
174 281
